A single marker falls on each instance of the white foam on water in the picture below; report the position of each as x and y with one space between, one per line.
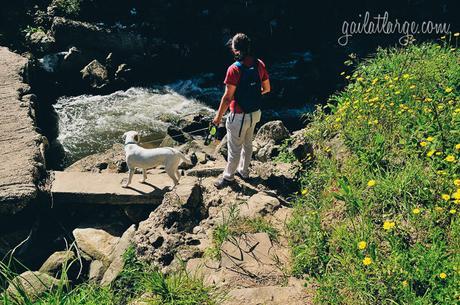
93 123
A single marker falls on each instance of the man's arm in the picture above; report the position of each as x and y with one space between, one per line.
266 86
224 103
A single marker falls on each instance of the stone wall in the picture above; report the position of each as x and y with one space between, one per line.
22 168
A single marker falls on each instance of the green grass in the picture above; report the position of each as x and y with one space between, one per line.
137 280
379 224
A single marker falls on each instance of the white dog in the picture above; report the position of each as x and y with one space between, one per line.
140 157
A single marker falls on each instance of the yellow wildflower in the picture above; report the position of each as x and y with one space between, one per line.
456 34
456 195
457 146
360 79
371 183
430 139
412 87
416 211
397 92
438 209
450 158
448 90
405 283
457 182
453 211
304 192
442 275
423 143
430 153
405 75
446 197
367 261
362 245
388 225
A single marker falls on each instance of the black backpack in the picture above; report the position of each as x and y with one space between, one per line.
248 94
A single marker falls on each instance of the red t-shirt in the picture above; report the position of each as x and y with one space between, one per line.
233 78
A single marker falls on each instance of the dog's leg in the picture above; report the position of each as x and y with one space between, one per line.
171 173
130 177
178 175
144 175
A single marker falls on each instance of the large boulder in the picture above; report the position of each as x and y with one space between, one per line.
96 243
40 41
272 131
159 237
277 176
117 261
259 205
95 75
68 32
31 284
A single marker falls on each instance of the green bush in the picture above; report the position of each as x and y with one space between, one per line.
377 221
69 8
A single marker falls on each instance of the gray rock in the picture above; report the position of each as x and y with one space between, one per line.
272 131
86 35
32 284
57 261
168 142
96 243
117 264
205 172
159 237
96 271
40 41
259 205
95 74
267 152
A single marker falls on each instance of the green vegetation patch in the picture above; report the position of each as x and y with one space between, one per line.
377 220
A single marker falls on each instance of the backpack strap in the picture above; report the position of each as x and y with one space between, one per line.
239 64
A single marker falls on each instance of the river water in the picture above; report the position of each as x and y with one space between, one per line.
90 124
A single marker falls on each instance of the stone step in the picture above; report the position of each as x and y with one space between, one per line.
105 188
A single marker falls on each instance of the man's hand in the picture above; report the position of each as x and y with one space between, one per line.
216 120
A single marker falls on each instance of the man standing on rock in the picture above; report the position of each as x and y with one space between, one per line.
245 83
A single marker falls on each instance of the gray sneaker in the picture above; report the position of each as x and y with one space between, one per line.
244 178
221 183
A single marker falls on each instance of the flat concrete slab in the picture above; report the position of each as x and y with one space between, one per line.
94 188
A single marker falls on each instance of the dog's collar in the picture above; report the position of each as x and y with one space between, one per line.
130 143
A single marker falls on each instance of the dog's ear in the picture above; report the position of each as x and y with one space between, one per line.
136 137
123 137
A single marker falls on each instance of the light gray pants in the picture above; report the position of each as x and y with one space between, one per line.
240 133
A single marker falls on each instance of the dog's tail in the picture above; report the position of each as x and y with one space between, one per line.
185 158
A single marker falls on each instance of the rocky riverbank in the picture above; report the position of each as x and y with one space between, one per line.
251 262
